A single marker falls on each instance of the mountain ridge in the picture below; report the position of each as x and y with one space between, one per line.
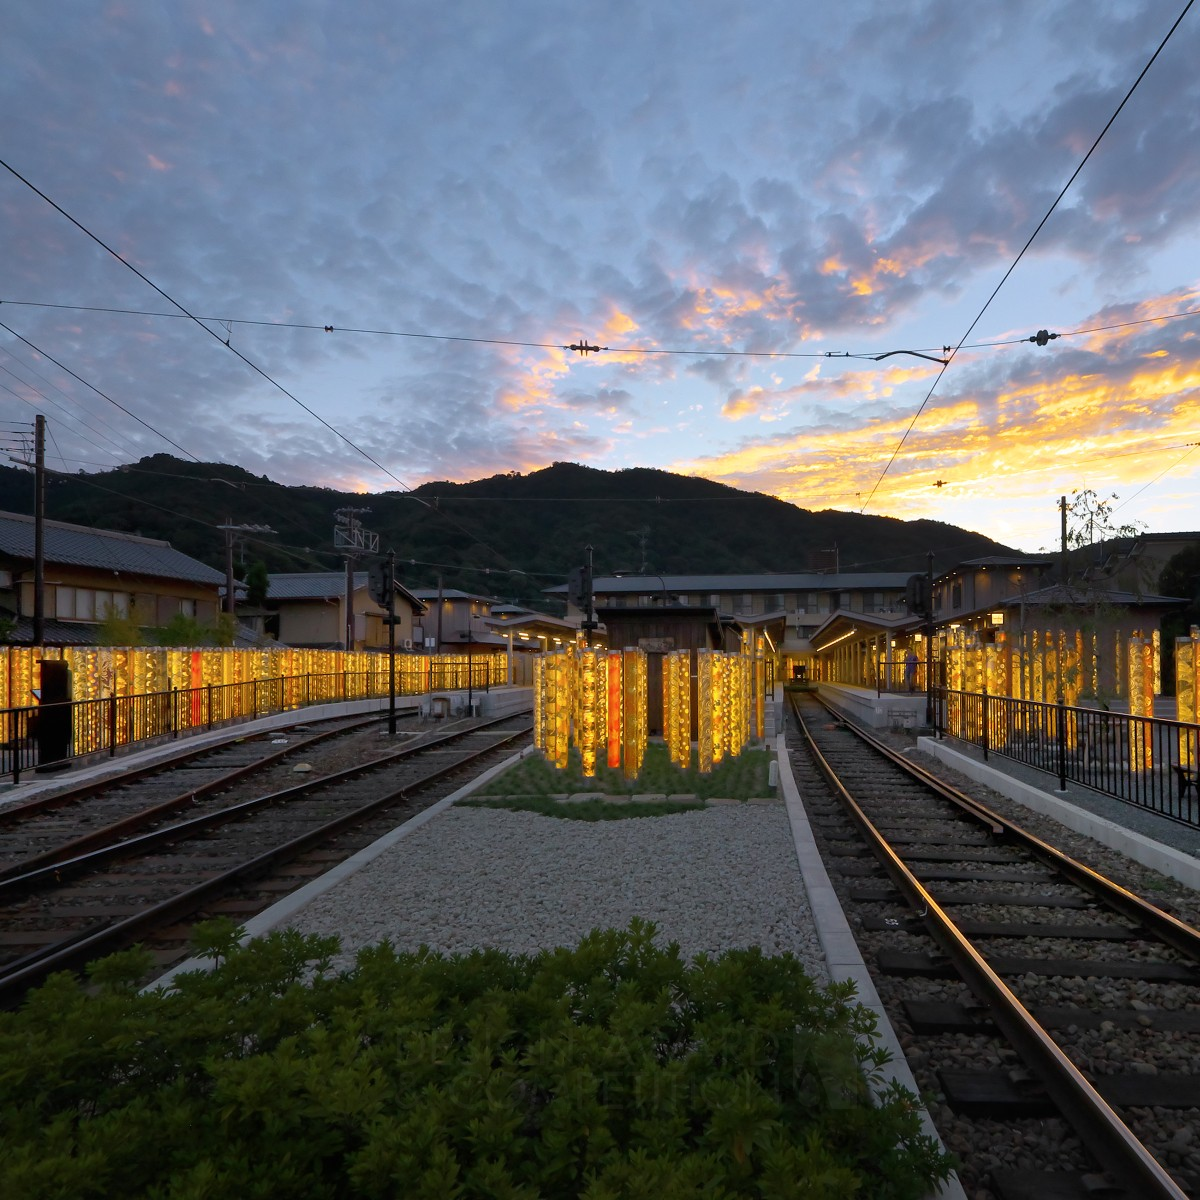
508 535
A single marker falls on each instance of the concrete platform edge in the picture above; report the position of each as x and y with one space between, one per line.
1164 859
841 950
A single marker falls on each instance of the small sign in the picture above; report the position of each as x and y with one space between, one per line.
662 645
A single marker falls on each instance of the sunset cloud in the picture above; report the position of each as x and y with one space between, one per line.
400 224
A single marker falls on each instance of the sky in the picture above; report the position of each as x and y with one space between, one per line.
358 238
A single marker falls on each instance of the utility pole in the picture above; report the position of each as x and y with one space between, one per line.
39 531
229 529
381 583
349 535
929 644
1062 506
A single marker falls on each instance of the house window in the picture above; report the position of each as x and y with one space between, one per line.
187 607
956 596
64 602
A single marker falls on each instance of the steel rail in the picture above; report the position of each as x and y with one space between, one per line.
108 833
1176 933
11 814
55 873
1101 1127
74 953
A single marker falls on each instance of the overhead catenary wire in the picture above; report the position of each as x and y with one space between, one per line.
693 351
1021 253
56 404
101 394
212 333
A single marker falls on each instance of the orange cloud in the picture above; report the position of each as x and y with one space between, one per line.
1013 449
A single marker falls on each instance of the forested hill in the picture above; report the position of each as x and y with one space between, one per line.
507 536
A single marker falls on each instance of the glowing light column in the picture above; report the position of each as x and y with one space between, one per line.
704 711
677 706
615 708
1187 694
634 670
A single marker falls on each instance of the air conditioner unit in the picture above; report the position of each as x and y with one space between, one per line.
408 643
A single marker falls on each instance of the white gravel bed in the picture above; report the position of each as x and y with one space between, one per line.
712 880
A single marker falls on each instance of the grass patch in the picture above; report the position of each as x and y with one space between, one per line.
585 810
739 778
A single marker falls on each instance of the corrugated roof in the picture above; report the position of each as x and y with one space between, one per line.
79 546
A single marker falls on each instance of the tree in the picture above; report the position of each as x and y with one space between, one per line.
182 630
1091 525
120 628
258 584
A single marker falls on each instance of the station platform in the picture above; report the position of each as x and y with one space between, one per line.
877 710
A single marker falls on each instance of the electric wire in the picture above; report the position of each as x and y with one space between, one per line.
103 395
1021 254
68 415
697 352
212 333
196 320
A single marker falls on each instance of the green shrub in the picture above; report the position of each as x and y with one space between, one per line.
614 1069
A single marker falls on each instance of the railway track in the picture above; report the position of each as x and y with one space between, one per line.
1052 1015
229 839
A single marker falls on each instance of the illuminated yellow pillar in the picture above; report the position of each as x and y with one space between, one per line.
760 691
592 726
1141 701
634 668
613 707
704 711
718 709
1187 693
677 706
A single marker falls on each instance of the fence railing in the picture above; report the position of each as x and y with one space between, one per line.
39 736
1145 761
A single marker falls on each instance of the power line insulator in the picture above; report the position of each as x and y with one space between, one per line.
582 347
1043 336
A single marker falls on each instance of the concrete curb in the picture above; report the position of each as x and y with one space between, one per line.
1164 859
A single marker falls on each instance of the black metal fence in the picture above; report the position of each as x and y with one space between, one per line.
49 734
1145 761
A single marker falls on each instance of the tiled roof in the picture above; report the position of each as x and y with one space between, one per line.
324 585
79 546
799 581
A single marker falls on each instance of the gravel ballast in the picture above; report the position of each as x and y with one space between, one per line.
712 880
